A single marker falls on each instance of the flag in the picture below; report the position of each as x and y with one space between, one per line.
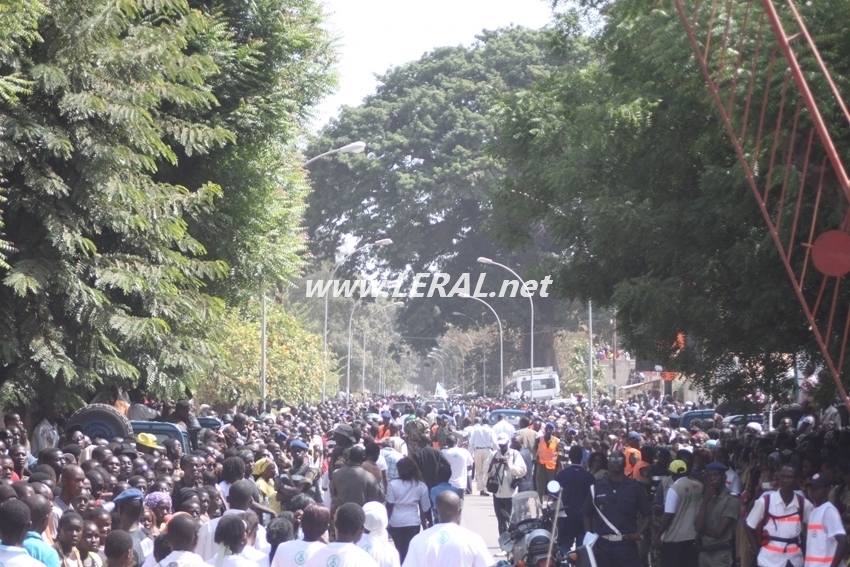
440 392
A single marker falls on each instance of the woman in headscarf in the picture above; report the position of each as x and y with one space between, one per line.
375 540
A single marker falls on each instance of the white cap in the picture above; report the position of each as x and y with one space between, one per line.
502 439
754 425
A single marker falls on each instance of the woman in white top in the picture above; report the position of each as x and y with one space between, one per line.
231 535
408 505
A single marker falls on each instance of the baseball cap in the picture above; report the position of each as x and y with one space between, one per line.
678 467
820 480
299 444
386 415
635 435
148 440
502 439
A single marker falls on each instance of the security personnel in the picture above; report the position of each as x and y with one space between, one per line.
618 511
546 448
575 483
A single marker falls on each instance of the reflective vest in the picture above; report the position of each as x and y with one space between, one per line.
547 455
628 451
383 432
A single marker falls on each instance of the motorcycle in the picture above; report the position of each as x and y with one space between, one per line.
530 538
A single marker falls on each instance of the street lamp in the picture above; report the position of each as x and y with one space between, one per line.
490 262
365 328
501 338
382 242
448 361
352 148
462 365
442 368
483 357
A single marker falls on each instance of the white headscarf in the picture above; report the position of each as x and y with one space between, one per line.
376 520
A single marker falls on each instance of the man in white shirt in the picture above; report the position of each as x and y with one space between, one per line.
502 426
508 464
375 541
14 523
240 496
459 459
183 537
826 541
344 552
482 442
314 523
447 543
792 509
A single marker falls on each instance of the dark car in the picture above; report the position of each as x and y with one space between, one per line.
688 416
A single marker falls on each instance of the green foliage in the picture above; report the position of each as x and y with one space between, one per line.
294 360
277 69
132 208
625 167
426 179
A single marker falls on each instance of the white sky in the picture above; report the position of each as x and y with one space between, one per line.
374 35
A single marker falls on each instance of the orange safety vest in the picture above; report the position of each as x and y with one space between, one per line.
636 473
434 442
547 455
629 467
383 432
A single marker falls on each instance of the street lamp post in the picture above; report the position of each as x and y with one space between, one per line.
483 357
462 366
488 261
442 368
365 328
382 242
352 148
448 361
501 338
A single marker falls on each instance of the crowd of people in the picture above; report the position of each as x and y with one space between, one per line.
382 481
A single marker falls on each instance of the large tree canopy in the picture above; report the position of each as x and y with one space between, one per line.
127 132
427 179
627 167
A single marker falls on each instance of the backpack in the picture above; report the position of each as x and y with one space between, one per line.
494 477
764 537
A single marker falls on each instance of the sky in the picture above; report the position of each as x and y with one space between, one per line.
374 35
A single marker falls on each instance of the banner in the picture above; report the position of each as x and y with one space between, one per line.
440 392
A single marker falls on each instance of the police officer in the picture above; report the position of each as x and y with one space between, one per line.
618 511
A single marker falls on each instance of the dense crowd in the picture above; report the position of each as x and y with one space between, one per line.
382 481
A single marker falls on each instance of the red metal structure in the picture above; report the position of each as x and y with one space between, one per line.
749 52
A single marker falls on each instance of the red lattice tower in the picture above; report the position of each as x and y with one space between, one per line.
750 53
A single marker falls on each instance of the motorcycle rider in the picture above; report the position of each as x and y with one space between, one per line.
618 511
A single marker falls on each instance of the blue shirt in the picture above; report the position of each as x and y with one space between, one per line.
40 551
436 492
576 482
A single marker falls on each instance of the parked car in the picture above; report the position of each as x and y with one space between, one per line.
688 416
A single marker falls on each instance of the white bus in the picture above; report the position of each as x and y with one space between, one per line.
547 385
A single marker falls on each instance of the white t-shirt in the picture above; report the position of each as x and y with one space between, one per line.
13 556
255 556
824 525
295 552
232 561
207 546
733 482
340 554
183 559
408 500
448 544
382 551
459 459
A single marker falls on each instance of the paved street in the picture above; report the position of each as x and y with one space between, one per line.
478 516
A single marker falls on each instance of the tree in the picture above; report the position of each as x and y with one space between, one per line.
278 68
626 166
427 178
294 360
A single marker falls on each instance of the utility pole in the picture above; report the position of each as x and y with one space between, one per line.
615 349
263 354
590 353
